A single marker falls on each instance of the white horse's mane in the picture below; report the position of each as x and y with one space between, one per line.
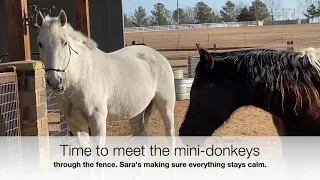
75 35
313 55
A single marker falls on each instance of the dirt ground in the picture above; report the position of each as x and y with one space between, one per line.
246 121
230 37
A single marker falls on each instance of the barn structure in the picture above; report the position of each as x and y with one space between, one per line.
102 20
27 106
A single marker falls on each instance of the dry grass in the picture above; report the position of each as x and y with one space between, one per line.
303 35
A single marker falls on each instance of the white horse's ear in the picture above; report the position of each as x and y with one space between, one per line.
39 19
62 17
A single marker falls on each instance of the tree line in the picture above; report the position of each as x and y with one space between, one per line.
202 13
313 10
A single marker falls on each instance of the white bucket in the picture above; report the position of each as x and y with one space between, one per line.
183 81
181 89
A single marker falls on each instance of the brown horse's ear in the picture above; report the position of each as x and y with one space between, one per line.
198 47
206 57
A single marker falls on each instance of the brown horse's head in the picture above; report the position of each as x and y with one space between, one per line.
284 83
213 97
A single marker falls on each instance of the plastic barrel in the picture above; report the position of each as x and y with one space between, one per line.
178 73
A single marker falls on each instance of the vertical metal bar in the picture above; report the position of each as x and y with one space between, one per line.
178 13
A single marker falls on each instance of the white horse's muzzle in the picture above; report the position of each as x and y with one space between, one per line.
55 80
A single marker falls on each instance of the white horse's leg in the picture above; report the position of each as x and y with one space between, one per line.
138 125
84 140
165 102
98 126
81 132
166 105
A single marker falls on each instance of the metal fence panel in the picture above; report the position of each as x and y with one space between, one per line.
9 112
9 117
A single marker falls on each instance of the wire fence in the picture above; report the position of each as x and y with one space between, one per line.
9 118
56 120
8 109
57 124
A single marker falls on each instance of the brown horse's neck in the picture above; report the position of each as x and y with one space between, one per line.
289 120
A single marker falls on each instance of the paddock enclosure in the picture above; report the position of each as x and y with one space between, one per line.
28 106
246 121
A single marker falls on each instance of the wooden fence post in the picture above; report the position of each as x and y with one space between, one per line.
290 45
18 31
83 17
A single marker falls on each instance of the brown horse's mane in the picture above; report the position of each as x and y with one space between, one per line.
289 73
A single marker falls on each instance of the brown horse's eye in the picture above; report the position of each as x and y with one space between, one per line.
40 45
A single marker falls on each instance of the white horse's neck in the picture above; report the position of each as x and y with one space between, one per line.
80 66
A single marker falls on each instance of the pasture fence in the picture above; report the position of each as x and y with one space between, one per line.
216 38
183 40
188 26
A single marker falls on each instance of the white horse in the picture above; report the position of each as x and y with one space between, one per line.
94 87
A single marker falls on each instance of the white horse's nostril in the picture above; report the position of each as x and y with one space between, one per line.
60 81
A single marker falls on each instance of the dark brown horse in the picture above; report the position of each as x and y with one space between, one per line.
284 83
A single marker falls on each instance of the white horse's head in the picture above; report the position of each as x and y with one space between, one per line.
55 50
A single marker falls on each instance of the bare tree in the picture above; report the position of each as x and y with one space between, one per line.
303 5
189 15
275 8
169 16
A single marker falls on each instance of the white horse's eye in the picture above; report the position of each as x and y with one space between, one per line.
65 43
